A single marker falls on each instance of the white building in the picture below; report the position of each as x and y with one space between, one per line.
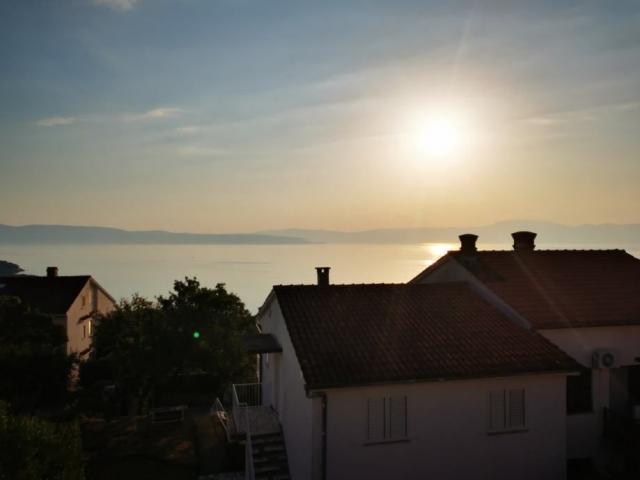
72 302
587 302
410 382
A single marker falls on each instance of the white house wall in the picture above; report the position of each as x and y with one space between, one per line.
295 409
585 429
447 430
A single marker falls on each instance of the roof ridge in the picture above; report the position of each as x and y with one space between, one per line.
537 250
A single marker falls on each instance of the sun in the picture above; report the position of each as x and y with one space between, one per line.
440 134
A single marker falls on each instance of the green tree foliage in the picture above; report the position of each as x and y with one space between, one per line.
8 269
34 449
194 329
34 366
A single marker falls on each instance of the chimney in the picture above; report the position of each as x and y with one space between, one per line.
52 272
323 276
468 242
523 241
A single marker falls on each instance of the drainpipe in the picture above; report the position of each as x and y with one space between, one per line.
323 430
323 398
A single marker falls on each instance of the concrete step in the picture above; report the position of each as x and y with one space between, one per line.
263 459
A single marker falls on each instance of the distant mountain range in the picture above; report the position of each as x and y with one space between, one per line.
64 234
548 233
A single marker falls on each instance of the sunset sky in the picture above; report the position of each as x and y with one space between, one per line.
237 116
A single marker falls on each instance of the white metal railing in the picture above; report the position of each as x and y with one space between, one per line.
218 409
244 397
249 393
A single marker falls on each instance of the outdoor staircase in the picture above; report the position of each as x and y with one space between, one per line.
269 457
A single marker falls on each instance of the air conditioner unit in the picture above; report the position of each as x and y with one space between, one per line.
604 358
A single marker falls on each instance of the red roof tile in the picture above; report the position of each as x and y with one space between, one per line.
361 334
562 288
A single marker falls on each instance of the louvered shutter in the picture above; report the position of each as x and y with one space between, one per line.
398 417
376 419
497 407
516 409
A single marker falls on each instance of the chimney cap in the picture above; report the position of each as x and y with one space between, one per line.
524 240
52 272
468 242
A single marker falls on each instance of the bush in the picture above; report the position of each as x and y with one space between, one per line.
34 449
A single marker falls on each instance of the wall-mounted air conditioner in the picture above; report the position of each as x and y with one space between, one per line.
604 358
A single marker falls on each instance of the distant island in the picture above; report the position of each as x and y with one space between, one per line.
548 233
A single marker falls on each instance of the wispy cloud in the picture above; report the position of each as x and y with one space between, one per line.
56 121
200 151
589 114
154 114
118 5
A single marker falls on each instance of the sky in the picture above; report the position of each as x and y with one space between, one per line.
240 116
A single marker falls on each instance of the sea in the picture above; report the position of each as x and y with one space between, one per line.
249 271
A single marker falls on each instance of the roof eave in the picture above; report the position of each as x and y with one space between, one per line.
563 371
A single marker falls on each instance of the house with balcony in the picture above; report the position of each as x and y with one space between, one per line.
586 302
71 301
404 381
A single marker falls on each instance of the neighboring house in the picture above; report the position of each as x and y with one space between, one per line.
587 302
72 301
410 381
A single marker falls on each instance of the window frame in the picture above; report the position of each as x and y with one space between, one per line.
388 427
507 411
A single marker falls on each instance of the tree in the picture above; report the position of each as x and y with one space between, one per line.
34 366
192 330
34 449
8 269
211 324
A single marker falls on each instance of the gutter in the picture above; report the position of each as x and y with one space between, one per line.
315 390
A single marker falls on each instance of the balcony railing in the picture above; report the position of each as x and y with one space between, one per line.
249 393
246 396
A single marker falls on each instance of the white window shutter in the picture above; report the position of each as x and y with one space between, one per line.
398 417
497 410
376 427
516 409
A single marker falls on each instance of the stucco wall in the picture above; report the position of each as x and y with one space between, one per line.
585 429
295 410
90 299
447 429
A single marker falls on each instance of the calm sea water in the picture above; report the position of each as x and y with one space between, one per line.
247 270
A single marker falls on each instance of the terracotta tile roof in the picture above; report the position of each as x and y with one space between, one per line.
562 288
361 334
52 295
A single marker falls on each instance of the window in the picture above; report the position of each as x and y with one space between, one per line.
83 300
579 392
507 410
87 329
386 419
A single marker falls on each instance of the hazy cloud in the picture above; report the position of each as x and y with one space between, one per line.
200 151
56 121
154 114
118 5
584 115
